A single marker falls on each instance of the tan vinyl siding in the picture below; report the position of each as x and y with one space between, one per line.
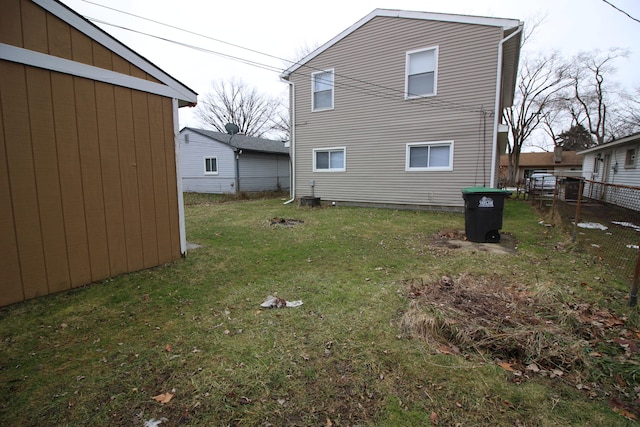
374 121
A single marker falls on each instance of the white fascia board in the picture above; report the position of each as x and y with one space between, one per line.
631 138
391 13
503 23
95 33
66 66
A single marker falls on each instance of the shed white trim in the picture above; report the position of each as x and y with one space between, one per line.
66 66
95 33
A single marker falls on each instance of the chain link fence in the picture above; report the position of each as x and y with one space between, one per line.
604 218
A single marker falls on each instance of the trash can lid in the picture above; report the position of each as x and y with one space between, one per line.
471 190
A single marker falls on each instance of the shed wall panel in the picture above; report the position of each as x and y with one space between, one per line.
59 37
10 279
10 23
45 159
64 110
129 178
34 27
159 175
24 197
110 170
92 178
145 178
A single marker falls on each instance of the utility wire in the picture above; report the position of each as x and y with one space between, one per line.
368 88
620 10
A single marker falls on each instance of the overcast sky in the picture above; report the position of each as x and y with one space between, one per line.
280 29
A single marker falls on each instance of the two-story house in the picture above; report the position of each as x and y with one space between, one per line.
403 109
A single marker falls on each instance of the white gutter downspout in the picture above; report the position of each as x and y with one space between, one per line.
292 145
497 114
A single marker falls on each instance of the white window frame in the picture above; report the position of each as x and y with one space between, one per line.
330 150
313 91
408 166
630 159
407 95
204 165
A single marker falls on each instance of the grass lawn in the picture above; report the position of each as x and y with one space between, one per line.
397 328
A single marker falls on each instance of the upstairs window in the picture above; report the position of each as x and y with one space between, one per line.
210 165
430 156
630 158
322 88
329 159
421 72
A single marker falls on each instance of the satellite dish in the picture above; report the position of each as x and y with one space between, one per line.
231 128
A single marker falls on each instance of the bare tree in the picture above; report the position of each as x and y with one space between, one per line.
540 81
234 102
629 120
591 98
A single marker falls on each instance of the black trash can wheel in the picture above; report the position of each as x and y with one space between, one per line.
492 236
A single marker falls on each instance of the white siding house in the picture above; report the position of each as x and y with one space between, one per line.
616 163
403 109
214 162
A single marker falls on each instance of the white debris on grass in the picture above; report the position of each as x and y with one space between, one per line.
592 226
626 224
154 423
275 302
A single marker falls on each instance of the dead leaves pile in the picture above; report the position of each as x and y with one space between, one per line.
525 334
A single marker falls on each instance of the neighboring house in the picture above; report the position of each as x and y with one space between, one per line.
88 182
615 162
560 163
214 162
403 109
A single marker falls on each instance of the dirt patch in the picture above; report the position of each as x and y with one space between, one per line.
456 239
284 222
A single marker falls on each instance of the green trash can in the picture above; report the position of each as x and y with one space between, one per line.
483 209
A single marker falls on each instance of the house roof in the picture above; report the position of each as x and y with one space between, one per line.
169 86
620 141
544 160
508 25
243 142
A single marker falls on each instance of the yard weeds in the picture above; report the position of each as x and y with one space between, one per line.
403 323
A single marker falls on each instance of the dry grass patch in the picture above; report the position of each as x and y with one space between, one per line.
527 334
498 320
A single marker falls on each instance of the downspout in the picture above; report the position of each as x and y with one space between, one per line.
176 145
497 114
292 144
237 156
